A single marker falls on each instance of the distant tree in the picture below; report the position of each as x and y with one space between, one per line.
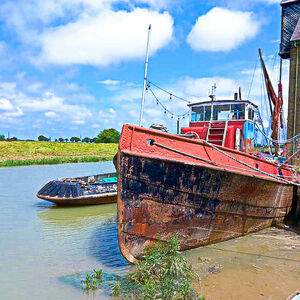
55 140
61 140
13 139
42 138
108 136
66 139
2 137
93 140
74 139
86 140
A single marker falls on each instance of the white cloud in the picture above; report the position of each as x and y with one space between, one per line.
105 38
109 82
195 88
51 114
9 110
78 122
50 104
222 30
5 104
17 113
35 86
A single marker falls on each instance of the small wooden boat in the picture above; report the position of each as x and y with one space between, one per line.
87 190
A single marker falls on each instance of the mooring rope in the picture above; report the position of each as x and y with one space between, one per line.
220 164
246 165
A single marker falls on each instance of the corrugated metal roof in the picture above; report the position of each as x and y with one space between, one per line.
288 1
296 33
290 17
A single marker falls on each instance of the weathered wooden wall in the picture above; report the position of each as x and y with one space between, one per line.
294 99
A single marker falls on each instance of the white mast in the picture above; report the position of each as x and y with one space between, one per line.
145 77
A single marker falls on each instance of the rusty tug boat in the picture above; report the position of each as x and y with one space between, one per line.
207 184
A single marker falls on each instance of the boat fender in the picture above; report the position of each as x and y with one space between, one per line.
160 127
238 139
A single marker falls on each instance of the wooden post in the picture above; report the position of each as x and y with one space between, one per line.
294 100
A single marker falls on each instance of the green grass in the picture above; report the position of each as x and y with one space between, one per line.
53 161
44 153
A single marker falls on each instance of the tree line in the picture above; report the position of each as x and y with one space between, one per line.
106 136
2 138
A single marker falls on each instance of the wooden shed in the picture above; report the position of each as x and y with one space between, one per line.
290 49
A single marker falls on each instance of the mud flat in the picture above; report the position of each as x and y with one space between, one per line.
263 265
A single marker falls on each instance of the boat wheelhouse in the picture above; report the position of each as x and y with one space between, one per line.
227 123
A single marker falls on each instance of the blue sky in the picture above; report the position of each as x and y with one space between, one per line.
75 67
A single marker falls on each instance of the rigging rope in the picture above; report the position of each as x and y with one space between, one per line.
171 94
165 108
288 141
252 79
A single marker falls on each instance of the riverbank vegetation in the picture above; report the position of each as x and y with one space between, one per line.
22 153
163 273
92 281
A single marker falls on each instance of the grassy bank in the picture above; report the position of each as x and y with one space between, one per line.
43 153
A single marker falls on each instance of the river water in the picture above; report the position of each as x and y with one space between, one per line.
46 250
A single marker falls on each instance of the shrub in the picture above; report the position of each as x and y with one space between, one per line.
42 138
163 273
108 136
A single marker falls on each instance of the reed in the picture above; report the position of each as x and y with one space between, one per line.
92 281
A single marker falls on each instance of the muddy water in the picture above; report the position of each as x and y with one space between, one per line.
45 251
263 265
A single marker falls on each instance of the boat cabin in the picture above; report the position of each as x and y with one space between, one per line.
228 123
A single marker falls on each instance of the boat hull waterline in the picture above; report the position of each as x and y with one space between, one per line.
161 192
87 190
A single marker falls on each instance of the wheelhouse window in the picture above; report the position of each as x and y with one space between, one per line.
238 111
221 112
250 114
197 114
207 113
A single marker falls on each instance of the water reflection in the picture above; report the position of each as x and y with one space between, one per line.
104 246
76 217
97 224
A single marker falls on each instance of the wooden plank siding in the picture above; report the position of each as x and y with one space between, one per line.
294 98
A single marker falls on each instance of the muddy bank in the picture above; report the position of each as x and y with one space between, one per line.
263 265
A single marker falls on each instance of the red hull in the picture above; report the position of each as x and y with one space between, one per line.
175 188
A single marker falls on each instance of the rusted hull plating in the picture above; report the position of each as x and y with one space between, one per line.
202 204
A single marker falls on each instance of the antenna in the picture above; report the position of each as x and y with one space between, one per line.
145 77
213 92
